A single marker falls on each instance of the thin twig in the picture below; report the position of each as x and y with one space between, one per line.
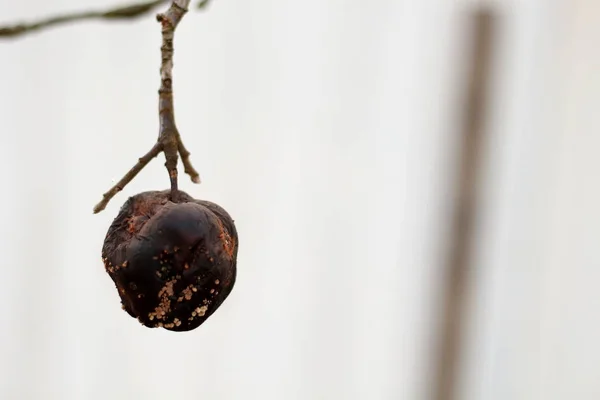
156 149
169 139
120 12
187 164
459 265
168 130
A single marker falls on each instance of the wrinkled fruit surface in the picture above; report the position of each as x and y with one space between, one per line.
173 263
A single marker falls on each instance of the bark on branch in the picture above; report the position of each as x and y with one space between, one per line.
169 139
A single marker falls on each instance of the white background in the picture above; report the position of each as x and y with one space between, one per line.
327 129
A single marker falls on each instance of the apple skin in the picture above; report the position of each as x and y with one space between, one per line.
172 260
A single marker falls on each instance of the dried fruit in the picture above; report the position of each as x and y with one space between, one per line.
173 262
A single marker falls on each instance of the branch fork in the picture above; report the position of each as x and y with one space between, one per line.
169 140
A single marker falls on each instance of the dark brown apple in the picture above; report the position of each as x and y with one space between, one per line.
173 262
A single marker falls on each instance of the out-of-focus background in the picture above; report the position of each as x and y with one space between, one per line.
329 130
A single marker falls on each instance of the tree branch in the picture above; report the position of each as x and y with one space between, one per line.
187 164
459 262
169 139
121 12
156 149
